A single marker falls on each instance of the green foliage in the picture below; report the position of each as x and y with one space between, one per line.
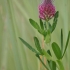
34 24
41 24
14 15
52 65
46 31
28 46
60 65
42 61
61 40
38 45
49 26
54 22
56 50
66 43
47 55
49 52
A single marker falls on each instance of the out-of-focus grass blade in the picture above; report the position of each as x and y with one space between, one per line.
66 43
27 45
21 9
13 34
1 36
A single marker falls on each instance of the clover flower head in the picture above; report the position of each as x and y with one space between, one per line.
46 10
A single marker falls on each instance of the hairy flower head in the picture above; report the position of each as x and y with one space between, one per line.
46 10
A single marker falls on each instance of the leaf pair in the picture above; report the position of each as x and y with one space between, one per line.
40 28
56 48
66 43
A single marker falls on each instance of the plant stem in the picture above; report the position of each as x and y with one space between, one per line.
42 62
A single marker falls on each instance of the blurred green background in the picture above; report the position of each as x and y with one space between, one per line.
14 23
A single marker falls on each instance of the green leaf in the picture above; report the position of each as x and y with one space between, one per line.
52 65
28 46
61 40
49 52
41 31
41 24
66 43
42 62
47 55
61 67
34 24
56 50
54 21
37 45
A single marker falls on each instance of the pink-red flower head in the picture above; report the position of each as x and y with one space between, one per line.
46 10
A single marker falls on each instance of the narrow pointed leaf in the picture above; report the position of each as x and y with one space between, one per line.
37 45
34 24
66 43
56 50
28 46
55 21
61 40
41 24
49 52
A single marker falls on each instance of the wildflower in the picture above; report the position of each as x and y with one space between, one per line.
46 10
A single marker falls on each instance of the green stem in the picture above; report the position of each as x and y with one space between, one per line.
42 62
